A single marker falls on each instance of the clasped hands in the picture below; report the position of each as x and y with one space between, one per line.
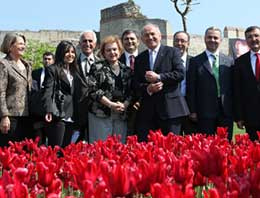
154 80
118 106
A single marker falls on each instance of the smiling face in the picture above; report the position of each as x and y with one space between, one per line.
151 36
111 52
181 41
69 56
253 39
212 40
87 43
130 42
17 49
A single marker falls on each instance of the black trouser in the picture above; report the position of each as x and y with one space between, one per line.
169 125
20 127
209 125
55 133
252 132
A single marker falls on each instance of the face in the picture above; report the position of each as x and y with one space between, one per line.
253 40
181 42
130 42
151 36
18 48
47 60
111 53
212 40
69 56
87 43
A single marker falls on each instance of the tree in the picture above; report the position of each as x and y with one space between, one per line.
35 50
183 12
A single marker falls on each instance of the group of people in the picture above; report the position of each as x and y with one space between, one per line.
124 92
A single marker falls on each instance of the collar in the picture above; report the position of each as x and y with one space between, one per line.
128 54
156 50
184 56
210 53
83 57
252 53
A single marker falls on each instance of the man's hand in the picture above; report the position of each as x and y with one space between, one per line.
154 87
151 76
193 117
240 124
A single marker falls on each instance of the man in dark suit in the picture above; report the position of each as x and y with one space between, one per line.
38 76
181 40
209 86
130 41
86 58
247 85
157 75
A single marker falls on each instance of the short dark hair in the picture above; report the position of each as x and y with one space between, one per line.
178 32
48 54
214 29
251 28
62 48
128 31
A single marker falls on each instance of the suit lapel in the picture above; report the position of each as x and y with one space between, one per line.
206 64
248 66
159 58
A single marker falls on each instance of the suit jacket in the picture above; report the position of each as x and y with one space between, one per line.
36 77
52 74
82 94
167 103
246 92
202 94
122 58
15 87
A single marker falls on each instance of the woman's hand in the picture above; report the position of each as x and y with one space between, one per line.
48 117
117 107
5 125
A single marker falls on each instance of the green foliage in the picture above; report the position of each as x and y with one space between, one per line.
35 50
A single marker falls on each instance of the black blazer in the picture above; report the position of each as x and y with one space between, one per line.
51 73
202 94
122 58
167 103
36 76
246 92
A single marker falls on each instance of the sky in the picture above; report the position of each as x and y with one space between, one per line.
79 15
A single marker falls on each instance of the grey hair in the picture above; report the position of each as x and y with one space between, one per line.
88 31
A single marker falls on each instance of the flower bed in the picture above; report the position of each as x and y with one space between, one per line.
164 167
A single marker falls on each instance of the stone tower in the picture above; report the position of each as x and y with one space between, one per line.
116 19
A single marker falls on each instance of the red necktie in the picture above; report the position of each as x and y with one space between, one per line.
257 67
132 61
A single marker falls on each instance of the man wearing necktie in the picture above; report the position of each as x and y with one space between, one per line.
209 86
247 85
157 75
130 41
86 58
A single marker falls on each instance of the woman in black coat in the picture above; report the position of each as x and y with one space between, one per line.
59 86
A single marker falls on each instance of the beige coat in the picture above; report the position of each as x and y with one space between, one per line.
15 87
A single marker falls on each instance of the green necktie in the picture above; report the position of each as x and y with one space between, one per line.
215 69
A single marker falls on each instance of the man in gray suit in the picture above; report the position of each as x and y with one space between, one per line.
209 86
181 40
86 58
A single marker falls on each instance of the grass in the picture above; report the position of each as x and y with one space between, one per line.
237 130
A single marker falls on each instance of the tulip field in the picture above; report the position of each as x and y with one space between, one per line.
164 167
